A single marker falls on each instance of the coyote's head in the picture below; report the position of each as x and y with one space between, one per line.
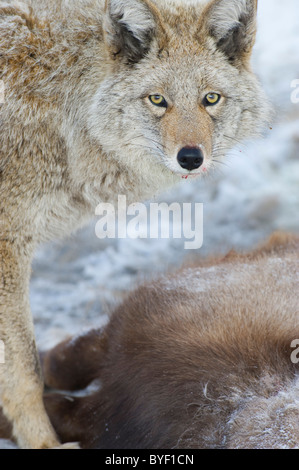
180 91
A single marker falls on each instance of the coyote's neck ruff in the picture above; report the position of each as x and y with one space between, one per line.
105 98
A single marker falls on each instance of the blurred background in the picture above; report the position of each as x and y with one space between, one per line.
75 283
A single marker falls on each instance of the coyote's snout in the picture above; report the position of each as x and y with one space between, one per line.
104 98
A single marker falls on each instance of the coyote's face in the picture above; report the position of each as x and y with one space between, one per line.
181 92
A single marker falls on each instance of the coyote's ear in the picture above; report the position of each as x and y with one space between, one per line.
130 26
232 23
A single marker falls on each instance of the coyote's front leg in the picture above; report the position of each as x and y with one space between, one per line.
21 383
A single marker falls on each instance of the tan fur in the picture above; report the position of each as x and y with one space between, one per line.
201 358
76 128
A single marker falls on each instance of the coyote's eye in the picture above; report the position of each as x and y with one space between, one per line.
211 99
158 100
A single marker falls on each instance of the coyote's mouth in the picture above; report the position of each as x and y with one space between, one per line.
193 174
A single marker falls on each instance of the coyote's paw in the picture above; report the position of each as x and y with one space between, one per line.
68 445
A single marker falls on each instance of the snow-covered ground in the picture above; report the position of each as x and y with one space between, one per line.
75 283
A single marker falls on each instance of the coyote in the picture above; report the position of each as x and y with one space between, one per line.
207 357
101 99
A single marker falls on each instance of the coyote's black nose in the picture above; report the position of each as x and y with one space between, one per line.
190 158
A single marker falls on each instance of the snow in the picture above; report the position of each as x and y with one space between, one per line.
76 283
